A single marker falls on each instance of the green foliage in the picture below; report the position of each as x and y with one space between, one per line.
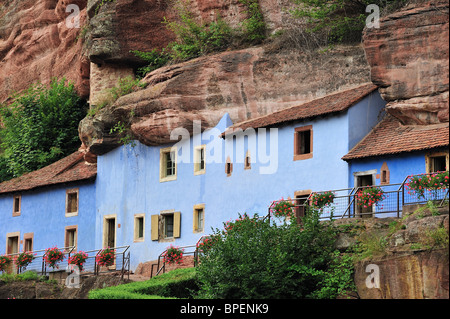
254 25
178 283
124 86
257 259
40 127
195 39
342 20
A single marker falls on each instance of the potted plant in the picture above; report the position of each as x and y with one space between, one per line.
323 199
419 184
53 256
5 261
173 255
78 259
282 208
369 196
23 260
105 257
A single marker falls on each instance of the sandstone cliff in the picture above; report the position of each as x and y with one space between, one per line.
409 59
36 45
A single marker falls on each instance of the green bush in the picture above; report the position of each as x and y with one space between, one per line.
40 127
256 259
195 39
342 20
178 283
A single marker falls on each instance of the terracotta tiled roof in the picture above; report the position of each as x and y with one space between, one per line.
391 137
332 103
69 169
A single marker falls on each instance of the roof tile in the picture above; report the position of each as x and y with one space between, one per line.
391 137
69 169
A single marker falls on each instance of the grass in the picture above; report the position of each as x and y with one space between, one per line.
179 283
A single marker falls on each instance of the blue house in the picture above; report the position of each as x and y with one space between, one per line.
393 151
155 196
150 197
53 206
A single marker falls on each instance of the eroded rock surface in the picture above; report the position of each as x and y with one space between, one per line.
409 59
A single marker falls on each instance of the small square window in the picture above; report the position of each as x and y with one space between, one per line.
228 167
17 202
199 160
248 161
72 202
168 225
437 162
168 164
70 239
139 227
199 218
303 143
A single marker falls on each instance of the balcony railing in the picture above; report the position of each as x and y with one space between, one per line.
346 203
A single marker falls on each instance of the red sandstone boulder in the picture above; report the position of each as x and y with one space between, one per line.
36 45
409 59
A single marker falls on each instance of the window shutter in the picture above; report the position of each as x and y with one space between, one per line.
176 224
155 227
195 219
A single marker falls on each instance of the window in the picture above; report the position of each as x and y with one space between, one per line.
17 201
72 202
303 143
166 226
228 167
199 160
70 237
12 243
247 161
384 174
28 244
139 227
437 162
199 218
168 164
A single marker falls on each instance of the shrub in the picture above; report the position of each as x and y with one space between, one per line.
259 259
40 127
177 283
342 20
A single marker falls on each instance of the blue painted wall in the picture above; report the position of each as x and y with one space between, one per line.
43 213
128 177
400 166
128 183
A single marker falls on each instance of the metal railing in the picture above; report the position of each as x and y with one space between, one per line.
347 204
161 264
38 265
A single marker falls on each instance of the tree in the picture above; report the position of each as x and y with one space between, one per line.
40 127
255 259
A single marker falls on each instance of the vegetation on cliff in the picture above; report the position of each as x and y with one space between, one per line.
40 126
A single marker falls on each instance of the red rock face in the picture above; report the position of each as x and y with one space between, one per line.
409 59
36 45
244 83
